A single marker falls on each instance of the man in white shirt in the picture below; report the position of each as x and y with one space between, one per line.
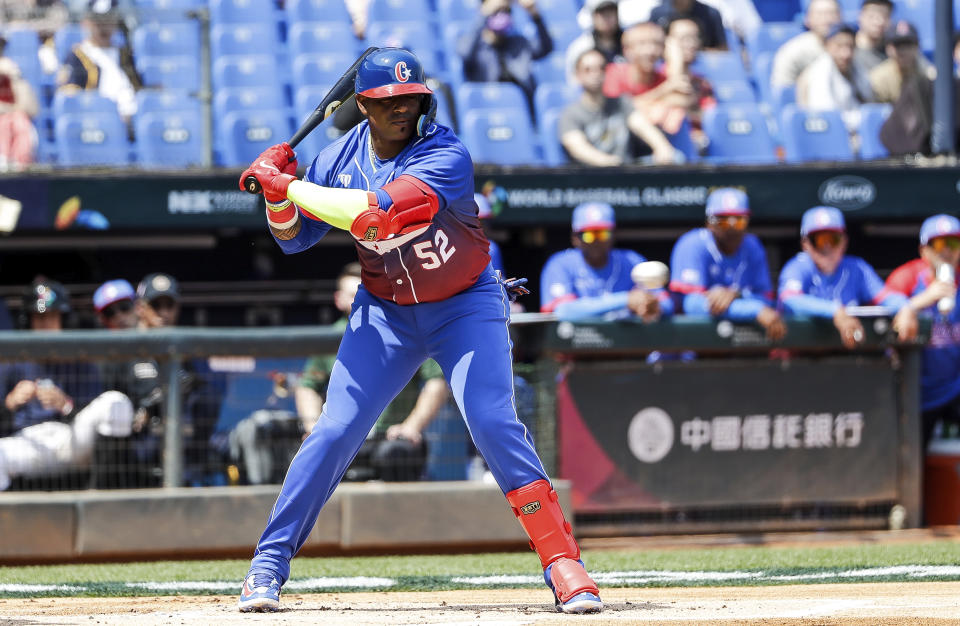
800 51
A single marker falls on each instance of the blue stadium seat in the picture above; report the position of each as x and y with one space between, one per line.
418 37
551 68
167 39
400 11
322 38
66 37
81 102
561 33
170 138
485 96
498 136
226 39
306 98
31 70
246 70
682 141
554 96
814 135
771 35
242 135
553 11
242 12
21 42
719 65
782 96
320 69
233 99
738 134
777 10
316 11
91 138
762 66
734 91
553 152
170 72
160 100
465 11
872 117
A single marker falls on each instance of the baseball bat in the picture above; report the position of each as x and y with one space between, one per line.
337 95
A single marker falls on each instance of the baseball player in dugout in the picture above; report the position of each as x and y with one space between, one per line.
823 280
403 186
721 269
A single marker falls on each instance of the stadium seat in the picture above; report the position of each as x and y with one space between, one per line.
777 10
561 33
81 102
418 37
320 69
66 37
498 136
168 139
160 100
782 96
553 153
242 135
554 96
170 72
554 12
91 138
733 91
226 39
317 11
551 68
738 134
233 99
762 66
247 70
242 12
719 65
872 117
814 135
771 35
167 39
21 42
485 96
400 11
322 38
682 141
465 11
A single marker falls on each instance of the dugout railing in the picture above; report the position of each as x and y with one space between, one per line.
683 425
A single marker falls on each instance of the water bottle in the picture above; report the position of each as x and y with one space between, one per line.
945 274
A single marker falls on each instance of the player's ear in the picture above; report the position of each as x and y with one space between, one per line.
361 104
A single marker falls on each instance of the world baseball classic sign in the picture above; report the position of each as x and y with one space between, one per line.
731 432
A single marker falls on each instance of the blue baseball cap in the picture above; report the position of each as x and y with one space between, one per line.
593 216
941 225
727 201
112 291
822 218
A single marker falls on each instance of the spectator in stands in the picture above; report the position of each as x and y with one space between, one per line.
823 280
800 51
740 16
712 34
872 24
158 301
113 301
902 81
603 35
493 51
601 131
691 93
931 284
18 105
721 270
835 82
97 64
641 72
592 279
53 410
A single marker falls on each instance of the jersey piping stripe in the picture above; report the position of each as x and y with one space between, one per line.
414 291
360 169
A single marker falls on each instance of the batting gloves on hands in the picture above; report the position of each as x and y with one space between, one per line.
515 288
274 169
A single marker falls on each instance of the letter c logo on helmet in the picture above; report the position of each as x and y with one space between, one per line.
402 72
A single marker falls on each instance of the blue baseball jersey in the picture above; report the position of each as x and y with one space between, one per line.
696 265
567 276
417 267
853 283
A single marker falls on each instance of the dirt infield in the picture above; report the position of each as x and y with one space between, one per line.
807 605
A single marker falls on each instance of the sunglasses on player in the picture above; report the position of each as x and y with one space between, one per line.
730 222
590 236
123 306
939 244
825 238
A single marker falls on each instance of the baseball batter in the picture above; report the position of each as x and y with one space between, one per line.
403 186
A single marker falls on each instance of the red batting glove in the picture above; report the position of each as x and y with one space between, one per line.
376 224
271 179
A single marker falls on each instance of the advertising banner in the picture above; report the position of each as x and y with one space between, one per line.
635 437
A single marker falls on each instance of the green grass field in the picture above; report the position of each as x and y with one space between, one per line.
929 561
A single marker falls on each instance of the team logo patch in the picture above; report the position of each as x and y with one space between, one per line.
371 234
344 179
531 507
402 71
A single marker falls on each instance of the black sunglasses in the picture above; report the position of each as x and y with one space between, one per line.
123 306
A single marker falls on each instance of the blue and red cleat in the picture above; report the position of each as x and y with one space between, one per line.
260 592
573 590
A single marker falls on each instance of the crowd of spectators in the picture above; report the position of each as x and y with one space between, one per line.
675 61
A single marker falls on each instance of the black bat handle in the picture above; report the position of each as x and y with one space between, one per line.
252 185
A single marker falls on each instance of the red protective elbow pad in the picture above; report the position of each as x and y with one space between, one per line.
414 205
